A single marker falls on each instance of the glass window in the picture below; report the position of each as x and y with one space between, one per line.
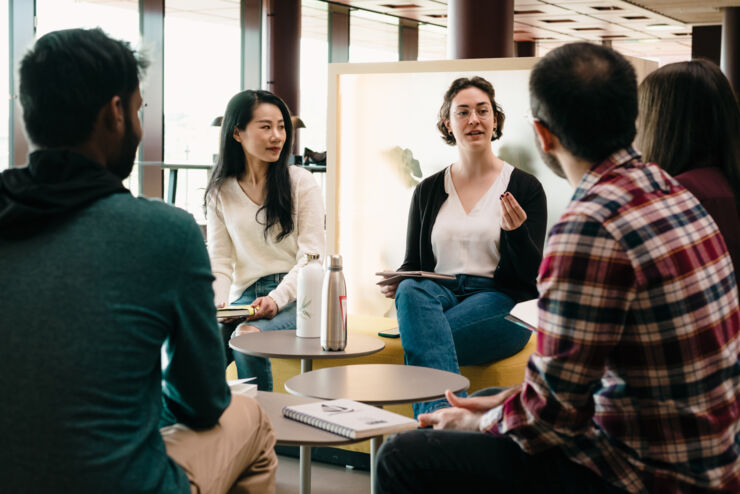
432 42
4 90
119 19
314 70
202 53
372 37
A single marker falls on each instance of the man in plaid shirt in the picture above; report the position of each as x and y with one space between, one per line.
635 385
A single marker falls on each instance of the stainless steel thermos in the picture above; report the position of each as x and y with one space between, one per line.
334 307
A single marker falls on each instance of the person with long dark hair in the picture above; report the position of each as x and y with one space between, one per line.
482 220
263 217
689 124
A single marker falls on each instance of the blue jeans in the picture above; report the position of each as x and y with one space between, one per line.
445 324
247 365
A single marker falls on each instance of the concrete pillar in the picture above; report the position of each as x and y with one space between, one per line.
730 56
251 36
706 42
525 48
338 33
284 52
480 29
408 40
151 19
21 33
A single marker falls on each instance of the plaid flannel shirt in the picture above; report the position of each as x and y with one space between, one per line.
636 373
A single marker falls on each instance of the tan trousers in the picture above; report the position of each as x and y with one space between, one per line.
235 456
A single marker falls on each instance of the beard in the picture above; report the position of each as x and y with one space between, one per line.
550 160
122 165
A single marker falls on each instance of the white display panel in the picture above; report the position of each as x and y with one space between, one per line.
382 120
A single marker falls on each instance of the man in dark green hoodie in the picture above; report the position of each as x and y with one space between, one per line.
95 282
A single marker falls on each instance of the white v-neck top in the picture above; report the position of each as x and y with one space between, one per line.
239 253
468 243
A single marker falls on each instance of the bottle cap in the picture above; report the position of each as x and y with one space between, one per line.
335 261
312 257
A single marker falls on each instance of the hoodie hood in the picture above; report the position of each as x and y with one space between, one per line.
55 184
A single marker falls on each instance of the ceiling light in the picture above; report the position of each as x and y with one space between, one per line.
661 27
401 6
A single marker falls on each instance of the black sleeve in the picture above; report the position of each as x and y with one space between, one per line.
523 247
412 261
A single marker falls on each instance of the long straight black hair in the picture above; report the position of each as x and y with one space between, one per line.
278 206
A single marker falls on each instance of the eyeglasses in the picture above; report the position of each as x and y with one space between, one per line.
466 113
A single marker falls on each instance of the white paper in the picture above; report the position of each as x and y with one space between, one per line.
525 314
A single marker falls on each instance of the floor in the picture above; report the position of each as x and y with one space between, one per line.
325 478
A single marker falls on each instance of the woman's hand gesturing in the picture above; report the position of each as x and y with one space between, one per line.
512 214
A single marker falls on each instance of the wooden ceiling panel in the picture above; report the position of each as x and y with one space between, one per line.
688 11
538 8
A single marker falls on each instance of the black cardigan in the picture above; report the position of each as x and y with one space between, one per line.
521 249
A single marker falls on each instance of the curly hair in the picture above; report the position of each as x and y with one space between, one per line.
457 86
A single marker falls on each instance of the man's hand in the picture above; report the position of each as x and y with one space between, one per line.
465 413
482 403
458 419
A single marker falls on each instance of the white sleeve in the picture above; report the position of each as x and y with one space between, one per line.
220 250
310 215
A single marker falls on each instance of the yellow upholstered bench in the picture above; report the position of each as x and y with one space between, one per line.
506 372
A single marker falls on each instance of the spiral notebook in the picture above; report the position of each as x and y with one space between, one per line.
349 418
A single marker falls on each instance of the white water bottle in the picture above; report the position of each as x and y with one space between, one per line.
308 298
334 307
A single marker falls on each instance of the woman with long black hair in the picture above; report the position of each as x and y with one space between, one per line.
263 217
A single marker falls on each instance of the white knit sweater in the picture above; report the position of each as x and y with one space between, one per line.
239 253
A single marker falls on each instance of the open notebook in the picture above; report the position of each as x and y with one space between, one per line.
349 418
525 314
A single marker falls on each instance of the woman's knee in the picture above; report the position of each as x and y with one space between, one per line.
244 328
412 289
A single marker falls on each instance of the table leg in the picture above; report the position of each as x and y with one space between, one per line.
306 365
375 443
305 470
305 451
172 188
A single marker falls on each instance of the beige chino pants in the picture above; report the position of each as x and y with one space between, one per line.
235 456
